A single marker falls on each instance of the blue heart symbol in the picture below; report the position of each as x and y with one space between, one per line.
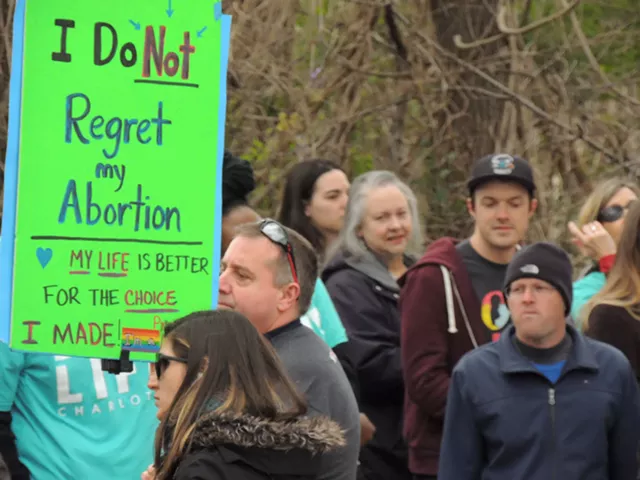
44 256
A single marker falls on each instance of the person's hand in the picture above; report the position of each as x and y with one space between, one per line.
593 240
367 429
149 473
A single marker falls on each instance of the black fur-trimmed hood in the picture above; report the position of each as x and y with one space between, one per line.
311 434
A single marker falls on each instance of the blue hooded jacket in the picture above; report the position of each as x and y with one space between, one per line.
505 420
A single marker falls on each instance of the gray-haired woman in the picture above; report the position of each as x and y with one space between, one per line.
373 250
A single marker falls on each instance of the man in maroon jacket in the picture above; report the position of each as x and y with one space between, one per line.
451 299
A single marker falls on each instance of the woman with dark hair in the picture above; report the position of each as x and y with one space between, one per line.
314 201
227 408
315 195
237 183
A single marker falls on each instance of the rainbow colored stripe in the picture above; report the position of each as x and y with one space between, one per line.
140 340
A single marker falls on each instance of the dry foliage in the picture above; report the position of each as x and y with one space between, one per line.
424 87
6 21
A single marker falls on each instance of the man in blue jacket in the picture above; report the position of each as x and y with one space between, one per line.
544 402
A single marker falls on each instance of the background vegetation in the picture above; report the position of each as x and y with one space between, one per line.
423 87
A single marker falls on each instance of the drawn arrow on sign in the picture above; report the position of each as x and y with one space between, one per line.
170 10
217 10
201 31
135 24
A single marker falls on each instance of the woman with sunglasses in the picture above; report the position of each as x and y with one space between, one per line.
228 409
613 314
597 233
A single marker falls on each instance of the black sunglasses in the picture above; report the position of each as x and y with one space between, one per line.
612 213
163 361
278 235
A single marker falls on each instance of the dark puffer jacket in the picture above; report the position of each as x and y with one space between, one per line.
366 298
249 448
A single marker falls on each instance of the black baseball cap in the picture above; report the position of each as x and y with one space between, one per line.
501 166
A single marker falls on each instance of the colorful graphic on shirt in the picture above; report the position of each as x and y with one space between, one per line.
494 312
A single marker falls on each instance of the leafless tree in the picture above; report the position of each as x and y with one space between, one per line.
424 87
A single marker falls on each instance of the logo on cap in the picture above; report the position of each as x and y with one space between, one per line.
532 269
502 164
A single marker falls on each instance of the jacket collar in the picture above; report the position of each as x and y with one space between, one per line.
315 435
512 361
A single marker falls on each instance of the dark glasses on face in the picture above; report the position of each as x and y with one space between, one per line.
163 361
612 213
278 235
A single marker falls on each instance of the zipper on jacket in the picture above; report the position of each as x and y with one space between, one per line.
552 411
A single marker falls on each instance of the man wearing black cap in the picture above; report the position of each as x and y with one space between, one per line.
451 300
543 402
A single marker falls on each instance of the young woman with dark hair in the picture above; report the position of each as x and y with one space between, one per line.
314 201
227 408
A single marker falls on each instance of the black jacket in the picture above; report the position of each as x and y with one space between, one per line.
366 298
249 448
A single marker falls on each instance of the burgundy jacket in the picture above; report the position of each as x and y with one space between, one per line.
440 322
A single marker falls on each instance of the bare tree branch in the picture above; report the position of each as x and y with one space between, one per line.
584 43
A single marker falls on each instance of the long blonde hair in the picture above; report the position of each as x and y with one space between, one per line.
623 282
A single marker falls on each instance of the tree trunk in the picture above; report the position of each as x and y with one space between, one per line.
471 115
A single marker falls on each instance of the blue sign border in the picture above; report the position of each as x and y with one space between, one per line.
12 163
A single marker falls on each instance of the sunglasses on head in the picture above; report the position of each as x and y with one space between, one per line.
163 361
278 235
612 213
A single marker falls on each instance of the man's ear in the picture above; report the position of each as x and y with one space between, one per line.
289 295
470 207
533 207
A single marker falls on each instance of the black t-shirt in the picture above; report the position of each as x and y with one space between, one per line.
487 278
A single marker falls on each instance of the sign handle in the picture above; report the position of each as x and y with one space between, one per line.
122 365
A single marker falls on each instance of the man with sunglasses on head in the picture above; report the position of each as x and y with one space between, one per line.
268 273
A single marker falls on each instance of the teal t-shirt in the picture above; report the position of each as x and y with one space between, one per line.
583 290
323 318
74 421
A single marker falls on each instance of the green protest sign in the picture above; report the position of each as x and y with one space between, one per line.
112 202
